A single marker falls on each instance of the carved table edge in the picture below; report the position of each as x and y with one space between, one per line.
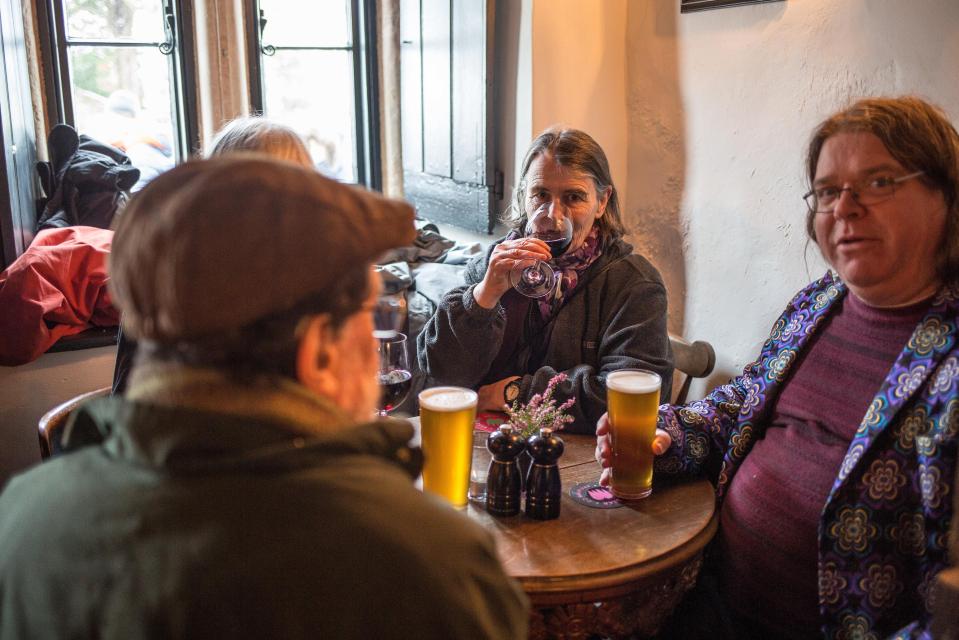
612 584
638 614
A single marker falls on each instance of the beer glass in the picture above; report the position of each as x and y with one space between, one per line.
632 397
447 415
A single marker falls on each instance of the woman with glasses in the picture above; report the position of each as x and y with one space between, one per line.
834 452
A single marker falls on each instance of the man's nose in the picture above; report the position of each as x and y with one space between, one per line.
846 204
557 209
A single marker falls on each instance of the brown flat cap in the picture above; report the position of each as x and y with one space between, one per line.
216 244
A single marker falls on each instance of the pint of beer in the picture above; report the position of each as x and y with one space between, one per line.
633 401
446 428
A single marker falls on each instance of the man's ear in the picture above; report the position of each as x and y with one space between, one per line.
314 354
603 201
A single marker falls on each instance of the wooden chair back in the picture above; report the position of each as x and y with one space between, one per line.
692 360
54 421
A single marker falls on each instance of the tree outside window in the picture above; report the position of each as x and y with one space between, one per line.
119 81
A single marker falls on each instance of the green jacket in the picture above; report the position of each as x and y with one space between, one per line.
190 523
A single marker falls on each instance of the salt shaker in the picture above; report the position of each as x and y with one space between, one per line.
543 488
503 480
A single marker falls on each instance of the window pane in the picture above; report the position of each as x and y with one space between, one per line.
120 98
138 20
320 23
312 91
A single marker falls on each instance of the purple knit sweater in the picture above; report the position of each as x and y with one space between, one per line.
769 520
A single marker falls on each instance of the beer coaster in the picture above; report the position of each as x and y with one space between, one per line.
489 420
593 495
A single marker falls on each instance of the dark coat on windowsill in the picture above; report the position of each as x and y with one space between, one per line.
86 181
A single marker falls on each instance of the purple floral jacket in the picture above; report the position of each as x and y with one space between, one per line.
883 530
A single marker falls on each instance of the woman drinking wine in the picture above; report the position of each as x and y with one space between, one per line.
605 309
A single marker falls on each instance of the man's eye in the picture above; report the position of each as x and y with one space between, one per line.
827 193
881 182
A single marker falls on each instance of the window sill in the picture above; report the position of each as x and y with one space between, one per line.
89 339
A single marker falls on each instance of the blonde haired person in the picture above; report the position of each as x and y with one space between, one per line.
262 135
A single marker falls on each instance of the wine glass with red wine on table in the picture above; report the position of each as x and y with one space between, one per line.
394 372
537 280
394 375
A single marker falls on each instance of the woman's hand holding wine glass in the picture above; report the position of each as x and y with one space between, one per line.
556 232
505 257
521 263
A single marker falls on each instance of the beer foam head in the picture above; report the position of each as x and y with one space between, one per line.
633 381
447 398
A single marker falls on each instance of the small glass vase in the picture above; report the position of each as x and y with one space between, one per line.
525 462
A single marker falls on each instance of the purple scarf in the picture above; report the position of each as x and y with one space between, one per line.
567 269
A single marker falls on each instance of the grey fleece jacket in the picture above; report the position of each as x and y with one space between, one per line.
615 319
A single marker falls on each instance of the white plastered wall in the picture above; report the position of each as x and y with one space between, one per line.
705 118
721 104
559 62
578 67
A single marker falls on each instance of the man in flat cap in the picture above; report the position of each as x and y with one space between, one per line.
241 489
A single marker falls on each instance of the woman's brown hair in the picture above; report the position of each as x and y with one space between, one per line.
921 138
573 149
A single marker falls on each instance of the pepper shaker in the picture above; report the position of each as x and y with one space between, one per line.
543 488
503 480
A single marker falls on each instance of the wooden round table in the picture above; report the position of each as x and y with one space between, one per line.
612 572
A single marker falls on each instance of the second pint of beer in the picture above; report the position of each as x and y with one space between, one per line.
633 402
446 429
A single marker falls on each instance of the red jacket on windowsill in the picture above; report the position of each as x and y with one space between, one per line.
57 288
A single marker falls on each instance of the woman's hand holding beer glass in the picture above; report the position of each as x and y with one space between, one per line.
627 437
604 452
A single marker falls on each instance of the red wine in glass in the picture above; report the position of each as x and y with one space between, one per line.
394 387
394 371
537 280
557 246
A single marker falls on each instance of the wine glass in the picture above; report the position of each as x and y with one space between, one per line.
389 315
537 280
394 371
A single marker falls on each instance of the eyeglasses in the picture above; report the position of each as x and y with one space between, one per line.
868 191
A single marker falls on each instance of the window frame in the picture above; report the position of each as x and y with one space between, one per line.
54 49
18 181
363 47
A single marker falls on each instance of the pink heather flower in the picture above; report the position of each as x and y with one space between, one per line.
541 411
